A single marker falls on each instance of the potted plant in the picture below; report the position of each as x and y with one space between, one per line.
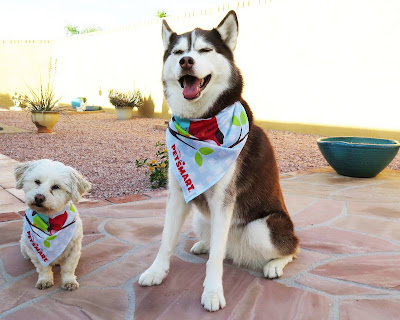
124 102
42 105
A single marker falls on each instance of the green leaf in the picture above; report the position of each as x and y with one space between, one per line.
235 121
198 158
51 237
46 244
243 117
206 150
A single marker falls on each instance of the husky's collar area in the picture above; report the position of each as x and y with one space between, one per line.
200 77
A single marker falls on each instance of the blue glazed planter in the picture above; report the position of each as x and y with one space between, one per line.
356 156
76 102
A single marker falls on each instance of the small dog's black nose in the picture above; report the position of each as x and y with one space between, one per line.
186 63
39 198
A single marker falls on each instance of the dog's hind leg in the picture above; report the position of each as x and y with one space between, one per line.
177 210
202 229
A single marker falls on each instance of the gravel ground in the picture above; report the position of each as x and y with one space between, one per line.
105 149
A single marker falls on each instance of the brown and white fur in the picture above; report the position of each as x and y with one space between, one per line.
243 217
49 186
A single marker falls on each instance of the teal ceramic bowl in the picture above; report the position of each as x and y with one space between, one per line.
356 156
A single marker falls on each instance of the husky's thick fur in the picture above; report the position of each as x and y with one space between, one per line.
243 217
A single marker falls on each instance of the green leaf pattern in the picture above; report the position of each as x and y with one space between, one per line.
198 158
46 241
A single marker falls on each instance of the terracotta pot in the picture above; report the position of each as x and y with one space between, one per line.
45 120
124 113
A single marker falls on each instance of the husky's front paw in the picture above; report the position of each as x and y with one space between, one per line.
44 284
200 248
152 277
213 300
70 285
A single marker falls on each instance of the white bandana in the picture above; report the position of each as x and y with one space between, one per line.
202 150
50 235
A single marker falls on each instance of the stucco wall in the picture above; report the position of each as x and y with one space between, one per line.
307 64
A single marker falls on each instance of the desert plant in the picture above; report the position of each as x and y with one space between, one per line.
157 168
44 98
125 99
161 14
73 30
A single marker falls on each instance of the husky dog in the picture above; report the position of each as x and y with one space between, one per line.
243 216
52 231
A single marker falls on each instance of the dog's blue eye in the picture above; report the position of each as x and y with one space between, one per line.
205 50
55 187
37 182
178 52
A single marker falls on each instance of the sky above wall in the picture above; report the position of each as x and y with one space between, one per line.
45 19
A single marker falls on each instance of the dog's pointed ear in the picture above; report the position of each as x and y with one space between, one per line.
19 173
79 185
166 34
229 29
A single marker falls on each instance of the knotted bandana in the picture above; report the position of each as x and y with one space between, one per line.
50 235
201 151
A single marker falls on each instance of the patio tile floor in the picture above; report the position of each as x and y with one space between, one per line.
348 267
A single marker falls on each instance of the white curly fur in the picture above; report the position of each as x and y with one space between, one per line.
38 178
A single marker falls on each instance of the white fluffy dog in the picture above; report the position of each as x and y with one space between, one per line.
52 227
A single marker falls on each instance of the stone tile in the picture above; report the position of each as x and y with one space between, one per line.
91 224
319 212
84 303
15 207
388 229
297 187
13 261
18 193
92 203
139 230
304 260
1 280
22 291
374 209
332 178
157 193
146 208
329 240
10 216
100 254
10 231
295 203
126 269
8 198
377 270
7 179
386 191
7 165
370 309
89 238
335 288
178 297
128 198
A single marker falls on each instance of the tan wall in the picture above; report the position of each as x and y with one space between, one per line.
307 64
20 62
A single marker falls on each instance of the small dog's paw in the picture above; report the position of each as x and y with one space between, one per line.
44 284
70 285
213 300
152 278
199 248
274 268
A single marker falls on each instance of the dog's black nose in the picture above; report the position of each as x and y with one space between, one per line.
39 198
186 63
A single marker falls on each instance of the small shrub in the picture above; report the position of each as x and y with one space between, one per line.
157 168
127 99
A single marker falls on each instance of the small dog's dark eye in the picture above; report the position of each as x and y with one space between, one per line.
178 52
205 50
55 187
37 182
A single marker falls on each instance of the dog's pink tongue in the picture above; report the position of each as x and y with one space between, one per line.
192 88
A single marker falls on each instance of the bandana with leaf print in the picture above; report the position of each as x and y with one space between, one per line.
49 235
201 151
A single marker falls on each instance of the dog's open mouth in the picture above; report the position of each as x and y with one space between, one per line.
193 86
